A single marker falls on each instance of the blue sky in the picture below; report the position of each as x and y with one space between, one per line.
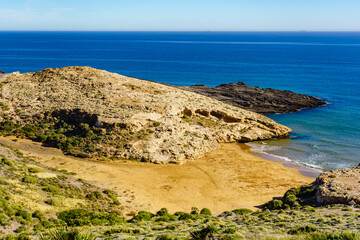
210 15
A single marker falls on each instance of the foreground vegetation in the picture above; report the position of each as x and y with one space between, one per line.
78 138
37 202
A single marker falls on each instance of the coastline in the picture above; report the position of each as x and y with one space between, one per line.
304 170
224 179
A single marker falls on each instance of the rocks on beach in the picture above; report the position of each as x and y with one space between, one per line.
264 101
340 186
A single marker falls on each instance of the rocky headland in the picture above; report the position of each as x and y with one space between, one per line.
94 113
260 100
339 186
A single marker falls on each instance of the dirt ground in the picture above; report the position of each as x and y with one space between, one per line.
228 178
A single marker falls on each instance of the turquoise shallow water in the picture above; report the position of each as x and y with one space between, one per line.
322 64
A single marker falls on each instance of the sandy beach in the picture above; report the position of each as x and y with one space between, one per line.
225 179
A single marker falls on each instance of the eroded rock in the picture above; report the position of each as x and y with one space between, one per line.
340 186
126 117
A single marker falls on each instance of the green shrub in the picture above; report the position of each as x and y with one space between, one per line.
242 211
184 216
4 220
51 189
94 196
162 212
205 211
143 216
39 215
274 204
290 200
5 161
24 214
204 233
302 229
194 210
306 192
15 237
156 124
164 237
20 229
29 179
81 217
53 202
67 234
334 236
34 170
166 218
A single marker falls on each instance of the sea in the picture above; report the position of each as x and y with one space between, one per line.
321 64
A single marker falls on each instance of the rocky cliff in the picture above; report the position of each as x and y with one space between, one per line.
93 113
339 186
265 101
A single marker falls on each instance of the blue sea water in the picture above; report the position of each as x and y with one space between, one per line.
322 64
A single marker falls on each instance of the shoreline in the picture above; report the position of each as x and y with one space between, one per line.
225 179
306 171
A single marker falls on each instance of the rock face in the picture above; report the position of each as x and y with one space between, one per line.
265 101
339 186
147 120
1 72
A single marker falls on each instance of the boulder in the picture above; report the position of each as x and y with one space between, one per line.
340 186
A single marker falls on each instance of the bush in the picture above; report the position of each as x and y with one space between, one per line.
164 237
242 211
24 214
143 216
302 229
194 210
334 236
34 170
162 212
53 202
5 161
274 204
29 179
204 233
51 189
81 217
290 200
184 216
66 234
94 196
205 211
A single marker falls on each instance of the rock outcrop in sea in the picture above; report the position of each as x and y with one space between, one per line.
264 101
339 186
94 113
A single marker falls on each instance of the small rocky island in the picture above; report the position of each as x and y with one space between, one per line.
264 101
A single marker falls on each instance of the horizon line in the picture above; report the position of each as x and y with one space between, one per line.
179 30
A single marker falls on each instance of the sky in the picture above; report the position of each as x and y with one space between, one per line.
180 15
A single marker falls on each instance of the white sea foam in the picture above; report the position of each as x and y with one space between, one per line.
265 149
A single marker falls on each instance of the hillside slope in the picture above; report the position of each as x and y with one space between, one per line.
93 113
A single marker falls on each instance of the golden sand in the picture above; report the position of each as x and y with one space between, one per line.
228 178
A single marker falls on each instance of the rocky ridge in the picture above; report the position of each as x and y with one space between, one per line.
339 186
123 117
264 101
